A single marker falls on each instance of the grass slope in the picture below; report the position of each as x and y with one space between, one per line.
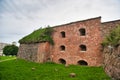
22 70
39 35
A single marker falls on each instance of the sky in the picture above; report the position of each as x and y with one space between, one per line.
19 18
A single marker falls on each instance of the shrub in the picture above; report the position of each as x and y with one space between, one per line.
113 38
10 50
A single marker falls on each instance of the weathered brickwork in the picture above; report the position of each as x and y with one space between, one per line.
43 52
73 40
112 62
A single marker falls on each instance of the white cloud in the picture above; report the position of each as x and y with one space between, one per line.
20 17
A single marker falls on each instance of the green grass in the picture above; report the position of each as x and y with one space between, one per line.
22 70
6 57
40 35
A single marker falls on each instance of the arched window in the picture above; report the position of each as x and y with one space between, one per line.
82 32
62 61
82 62
83 48
63 34
48 59
62 48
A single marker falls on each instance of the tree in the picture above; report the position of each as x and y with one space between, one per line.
10 50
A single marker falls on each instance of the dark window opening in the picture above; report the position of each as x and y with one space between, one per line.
82 62
62 61
83 48
48 59
62 48
82 32
63 34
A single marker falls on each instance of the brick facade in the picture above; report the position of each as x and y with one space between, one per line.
72 41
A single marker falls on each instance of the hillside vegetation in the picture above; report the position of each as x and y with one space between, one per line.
40 35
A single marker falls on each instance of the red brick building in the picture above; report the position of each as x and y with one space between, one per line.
74 43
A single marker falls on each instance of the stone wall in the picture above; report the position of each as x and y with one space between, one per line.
112 62
73 40
36 52
111 56
28 52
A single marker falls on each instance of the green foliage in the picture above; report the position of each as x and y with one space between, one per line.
10 50
40 35
22 70
113 38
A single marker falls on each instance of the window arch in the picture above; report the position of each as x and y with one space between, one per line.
83 47
62 48
63 34
82 32
62 61
82 62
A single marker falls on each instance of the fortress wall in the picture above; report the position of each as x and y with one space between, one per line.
112 62
28 51
111 56
73 40
36 52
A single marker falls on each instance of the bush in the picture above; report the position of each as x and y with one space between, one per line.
113 38
10 50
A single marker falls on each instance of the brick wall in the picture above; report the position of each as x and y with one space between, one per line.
73 40
43 52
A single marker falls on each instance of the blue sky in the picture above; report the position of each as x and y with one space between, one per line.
20 17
